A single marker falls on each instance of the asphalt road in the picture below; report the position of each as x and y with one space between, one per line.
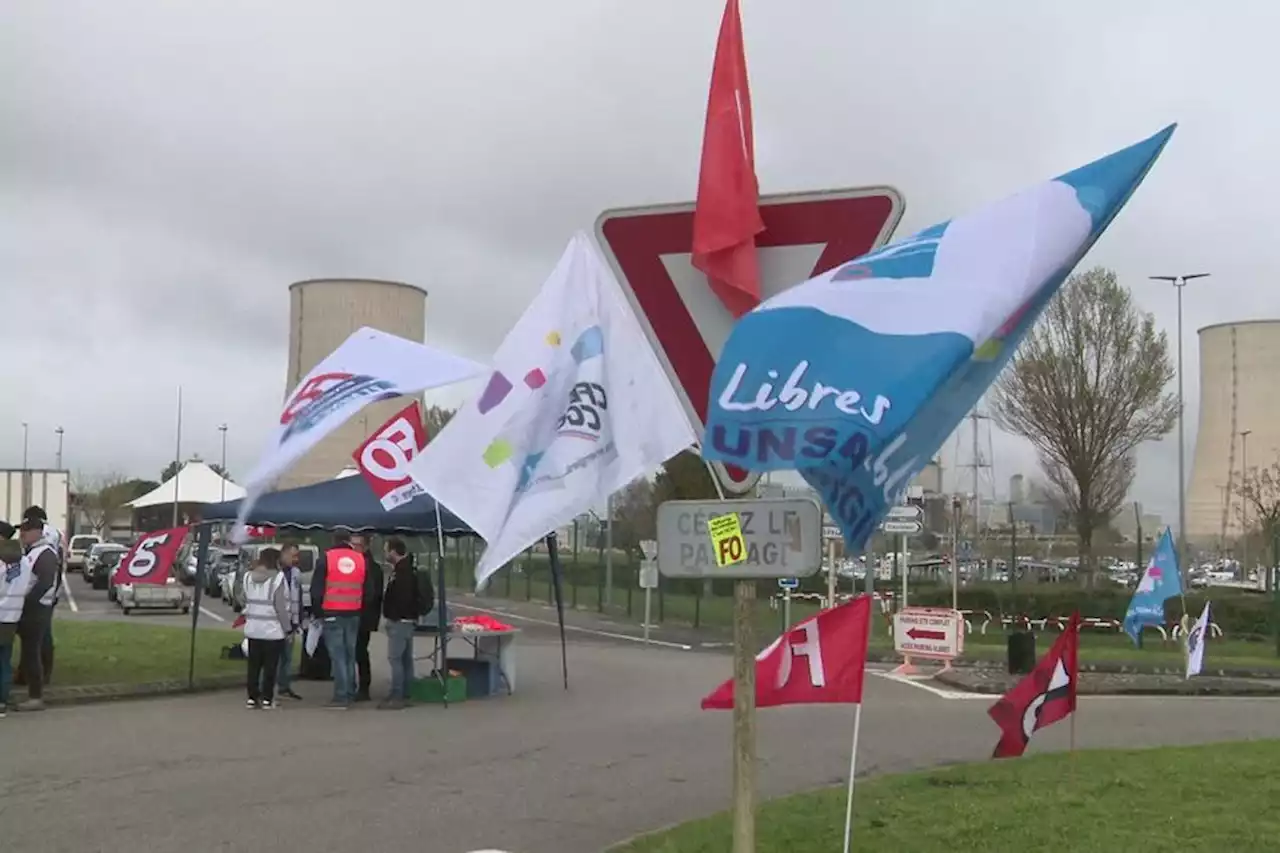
81 601
625 750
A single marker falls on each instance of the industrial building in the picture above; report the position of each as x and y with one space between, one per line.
1239 424
322 314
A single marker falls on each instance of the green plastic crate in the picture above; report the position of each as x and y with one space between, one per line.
429 689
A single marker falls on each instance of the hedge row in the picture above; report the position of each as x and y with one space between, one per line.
1239 614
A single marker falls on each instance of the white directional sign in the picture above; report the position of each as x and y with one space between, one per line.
905 527
782 538
831 532
928 632
648 575
904 512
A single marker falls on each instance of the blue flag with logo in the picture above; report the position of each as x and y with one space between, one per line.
1160 581
856 377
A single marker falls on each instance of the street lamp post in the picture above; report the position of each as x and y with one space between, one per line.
59 433
1244 504
222 428
26 427
1179 282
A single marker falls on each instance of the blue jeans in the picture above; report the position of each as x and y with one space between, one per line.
340 639
284 676
6 671
400 655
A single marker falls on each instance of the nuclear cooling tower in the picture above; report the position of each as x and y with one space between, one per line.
1239 380
322 314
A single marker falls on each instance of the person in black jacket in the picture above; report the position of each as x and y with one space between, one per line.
370 613
37 609
401 606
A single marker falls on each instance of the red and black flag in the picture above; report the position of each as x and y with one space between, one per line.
1045 696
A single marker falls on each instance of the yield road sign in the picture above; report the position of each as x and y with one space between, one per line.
904 512
805 234
903 527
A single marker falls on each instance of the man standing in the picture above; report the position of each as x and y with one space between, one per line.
401 606
267 623
37 608
337 593
293 591
51 536
15 578
370 613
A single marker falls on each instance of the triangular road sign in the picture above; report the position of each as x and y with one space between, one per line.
805 235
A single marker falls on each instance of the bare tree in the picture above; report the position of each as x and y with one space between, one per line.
103 496
1087 387
635 515
1260 494
434 419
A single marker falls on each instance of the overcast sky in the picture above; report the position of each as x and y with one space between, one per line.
169 168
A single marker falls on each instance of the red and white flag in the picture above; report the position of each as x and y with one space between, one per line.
726 218
1045 696
821 660
151 557
384 457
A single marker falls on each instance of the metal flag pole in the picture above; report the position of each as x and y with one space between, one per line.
442 616
177 459
853 770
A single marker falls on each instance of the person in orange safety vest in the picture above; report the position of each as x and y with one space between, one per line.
337 594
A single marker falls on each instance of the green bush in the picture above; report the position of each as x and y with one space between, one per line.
1239 614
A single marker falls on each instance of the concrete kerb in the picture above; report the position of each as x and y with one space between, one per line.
993 683
90 693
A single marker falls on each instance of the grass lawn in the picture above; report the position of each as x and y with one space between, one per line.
129 653
716 613
1211 798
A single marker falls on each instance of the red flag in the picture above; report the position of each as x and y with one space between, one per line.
384 457
1045 696
240 620
726 219
820 660
151 557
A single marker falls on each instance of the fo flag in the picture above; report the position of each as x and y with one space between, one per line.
384 457
151 557
856 377
821 660
1045 696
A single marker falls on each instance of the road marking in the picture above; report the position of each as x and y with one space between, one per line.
929 688
681 646
71 599
207 612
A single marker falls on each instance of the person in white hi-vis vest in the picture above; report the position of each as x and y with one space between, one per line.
267 622
15 579
37 609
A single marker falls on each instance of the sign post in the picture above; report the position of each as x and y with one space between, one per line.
831 535
648 581
788 586
903 520
741 540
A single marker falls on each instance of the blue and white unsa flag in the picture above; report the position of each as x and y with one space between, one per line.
576 407
856 377
1161 581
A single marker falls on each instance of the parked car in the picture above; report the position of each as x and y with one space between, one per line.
233 582
94 569
107 564
79 547
170 595
184 565
221 562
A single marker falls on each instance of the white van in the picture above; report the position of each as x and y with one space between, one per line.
79 547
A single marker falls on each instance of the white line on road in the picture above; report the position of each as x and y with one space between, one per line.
681 646
71 599
207 612
936 691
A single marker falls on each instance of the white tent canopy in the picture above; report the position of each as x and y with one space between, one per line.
197 483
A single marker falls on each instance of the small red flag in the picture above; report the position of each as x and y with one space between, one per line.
239 623
1045 696
726 218
821 660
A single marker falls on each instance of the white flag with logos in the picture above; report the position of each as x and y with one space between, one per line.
1195 642
576 408
369 366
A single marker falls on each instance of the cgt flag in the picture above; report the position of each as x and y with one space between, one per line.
384 457
151 557
857 377
575 408
369 366
821 660
1160 581
1045 696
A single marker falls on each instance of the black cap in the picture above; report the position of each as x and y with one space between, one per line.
31 523
6 530
36 511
